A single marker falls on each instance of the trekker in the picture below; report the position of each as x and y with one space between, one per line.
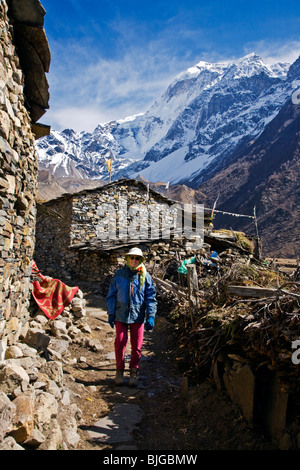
131 304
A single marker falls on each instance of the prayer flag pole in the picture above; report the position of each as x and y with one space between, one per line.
256 227
109 162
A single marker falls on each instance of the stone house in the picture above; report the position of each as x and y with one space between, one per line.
81 236
24 96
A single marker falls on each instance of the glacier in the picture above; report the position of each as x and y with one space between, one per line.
205 118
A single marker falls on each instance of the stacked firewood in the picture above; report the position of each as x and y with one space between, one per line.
241 307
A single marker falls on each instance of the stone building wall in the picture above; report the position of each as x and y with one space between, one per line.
119 211
18 185
53 223
81 236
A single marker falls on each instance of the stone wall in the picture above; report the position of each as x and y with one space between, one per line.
94 265
18 184
118 211
78 236
53 239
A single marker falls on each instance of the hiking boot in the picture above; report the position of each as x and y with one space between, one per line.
119 377
133 380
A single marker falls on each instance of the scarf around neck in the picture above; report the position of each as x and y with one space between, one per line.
141 269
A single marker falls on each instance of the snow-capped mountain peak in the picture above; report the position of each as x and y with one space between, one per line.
208 113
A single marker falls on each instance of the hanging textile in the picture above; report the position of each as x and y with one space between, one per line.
51 295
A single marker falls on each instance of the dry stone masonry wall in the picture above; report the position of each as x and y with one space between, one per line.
36 410
119 212
79 236
18 181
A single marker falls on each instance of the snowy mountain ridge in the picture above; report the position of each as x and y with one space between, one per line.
207 115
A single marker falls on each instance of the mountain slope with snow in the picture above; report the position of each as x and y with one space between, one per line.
207 116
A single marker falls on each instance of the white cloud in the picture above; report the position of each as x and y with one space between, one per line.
275 51
86 93
87 89
76 118
106 91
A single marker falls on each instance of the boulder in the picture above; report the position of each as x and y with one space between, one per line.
12 376
10 444
22 425
13 352
7 412
68 424
59 328
53 436
240 384
35 439
46 408
37 339
54 371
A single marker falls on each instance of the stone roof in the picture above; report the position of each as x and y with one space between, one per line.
27 19
103 188
127 182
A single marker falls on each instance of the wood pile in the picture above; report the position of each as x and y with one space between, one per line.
239 307
283 265
236 321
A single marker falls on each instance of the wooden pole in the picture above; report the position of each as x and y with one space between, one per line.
256 227
192 281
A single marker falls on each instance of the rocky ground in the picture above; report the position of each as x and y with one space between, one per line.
66 399
169 416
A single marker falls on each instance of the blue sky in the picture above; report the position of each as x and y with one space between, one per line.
112 59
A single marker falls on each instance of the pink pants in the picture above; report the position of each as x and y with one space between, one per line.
121 340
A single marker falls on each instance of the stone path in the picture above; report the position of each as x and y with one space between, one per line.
156 415
117 427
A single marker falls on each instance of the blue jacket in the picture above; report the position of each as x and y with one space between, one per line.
126 301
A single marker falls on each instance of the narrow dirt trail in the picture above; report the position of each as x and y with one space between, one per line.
155 415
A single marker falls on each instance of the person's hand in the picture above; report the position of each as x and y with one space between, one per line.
149 325
111 320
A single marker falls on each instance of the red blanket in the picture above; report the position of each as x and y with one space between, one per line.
51 295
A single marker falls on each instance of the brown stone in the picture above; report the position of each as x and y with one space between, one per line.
18 159
240 385
4 124
23 421
275 413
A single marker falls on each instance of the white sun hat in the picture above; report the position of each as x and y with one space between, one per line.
135 252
